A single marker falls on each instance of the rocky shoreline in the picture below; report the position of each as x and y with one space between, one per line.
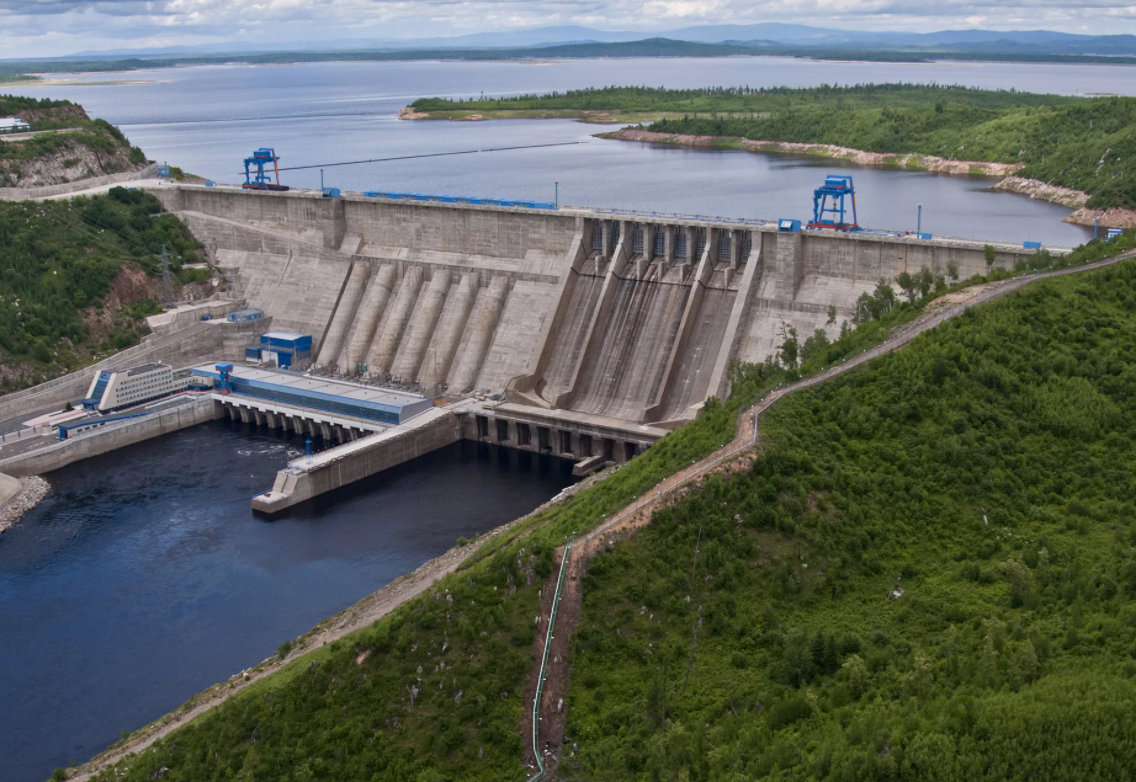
858 156
33 490
1034 188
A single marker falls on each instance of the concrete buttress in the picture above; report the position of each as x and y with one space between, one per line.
386 344
367 320
344 316
483 324
421 327
440 355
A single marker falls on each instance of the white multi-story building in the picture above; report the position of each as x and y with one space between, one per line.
114 389
13 125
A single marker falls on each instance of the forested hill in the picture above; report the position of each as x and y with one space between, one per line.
77 276
928 573
1086 144
77 148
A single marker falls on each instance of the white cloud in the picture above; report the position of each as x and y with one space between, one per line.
30 28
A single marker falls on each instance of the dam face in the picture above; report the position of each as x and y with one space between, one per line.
600 331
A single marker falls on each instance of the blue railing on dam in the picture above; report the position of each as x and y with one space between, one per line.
447 199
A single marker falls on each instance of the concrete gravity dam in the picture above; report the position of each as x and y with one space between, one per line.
581 333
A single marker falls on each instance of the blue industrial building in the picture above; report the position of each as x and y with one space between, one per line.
242 316
285 349
333 396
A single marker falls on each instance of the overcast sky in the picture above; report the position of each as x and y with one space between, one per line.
30 28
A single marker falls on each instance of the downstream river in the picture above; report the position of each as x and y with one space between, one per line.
207 119
144 577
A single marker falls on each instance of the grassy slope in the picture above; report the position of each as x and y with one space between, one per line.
1009 654
58 258
332 715
1085 144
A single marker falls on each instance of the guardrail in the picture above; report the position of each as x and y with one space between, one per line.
675 216
448 199
28 431
542 769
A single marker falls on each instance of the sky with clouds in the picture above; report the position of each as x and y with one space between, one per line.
30 28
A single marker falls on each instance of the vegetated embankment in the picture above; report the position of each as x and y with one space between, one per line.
78 278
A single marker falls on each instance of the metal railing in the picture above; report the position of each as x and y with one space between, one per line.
542 769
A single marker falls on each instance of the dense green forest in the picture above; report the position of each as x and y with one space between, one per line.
57 263
1086 144
883 474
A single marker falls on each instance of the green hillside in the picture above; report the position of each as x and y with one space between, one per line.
1084 144
59 261
1019 412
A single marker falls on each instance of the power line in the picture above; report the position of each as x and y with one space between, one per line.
431 154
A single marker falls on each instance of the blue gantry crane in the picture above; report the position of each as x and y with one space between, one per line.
263 178
829 204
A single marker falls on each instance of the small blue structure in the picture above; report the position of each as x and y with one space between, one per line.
829 204
331 192
225 378
1112 234
264 178
1031 245
242 316
164 171
785 225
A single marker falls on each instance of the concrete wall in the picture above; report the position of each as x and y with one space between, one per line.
301 215
296 281
102 440
187 314
359 460
21 193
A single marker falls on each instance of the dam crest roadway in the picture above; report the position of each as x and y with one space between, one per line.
582 333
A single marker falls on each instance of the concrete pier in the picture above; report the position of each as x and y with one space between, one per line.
308 477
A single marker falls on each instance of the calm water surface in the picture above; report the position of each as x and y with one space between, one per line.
207 119
144 577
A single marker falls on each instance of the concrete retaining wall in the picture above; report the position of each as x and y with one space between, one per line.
23 193
118 435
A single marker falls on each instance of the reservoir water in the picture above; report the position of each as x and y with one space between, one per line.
207 119
144 577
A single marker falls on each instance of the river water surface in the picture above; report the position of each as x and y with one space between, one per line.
144 577
207 119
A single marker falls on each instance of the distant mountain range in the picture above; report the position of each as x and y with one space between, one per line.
1025 42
